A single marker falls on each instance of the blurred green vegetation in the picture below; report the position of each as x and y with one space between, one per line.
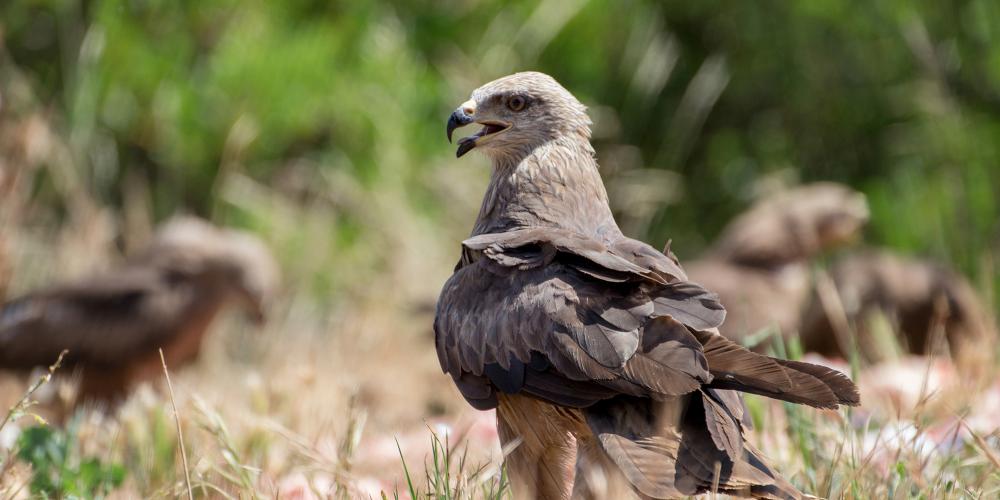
58 468
900 99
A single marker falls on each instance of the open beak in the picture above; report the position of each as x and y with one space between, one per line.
255 308
462 117
258 316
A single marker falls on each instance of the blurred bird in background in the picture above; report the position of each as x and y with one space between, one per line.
113 323
760 265
931 309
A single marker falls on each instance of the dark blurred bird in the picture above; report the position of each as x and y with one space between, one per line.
932 309
759 266
113 323
597 353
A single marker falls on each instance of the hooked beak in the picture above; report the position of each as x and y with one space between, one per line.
460 119
258 316
255 308
457 119
464 116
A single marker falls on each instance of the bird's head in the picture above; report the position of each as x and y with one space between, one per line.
833 213
794 225
236 263
256 278
519 113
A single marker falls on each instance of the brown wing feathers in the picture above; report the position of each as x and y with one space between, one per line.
723 425
671 362
622 344
526 248
840 384
690 304
601 342
671 450
734 367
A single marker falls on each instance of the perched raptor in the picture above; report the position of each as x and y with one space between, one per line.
113 323
760 264
601 359
928 306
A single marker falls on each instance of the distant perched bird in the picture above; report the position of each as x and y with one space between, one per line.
921 300
596 351
114 322
759 265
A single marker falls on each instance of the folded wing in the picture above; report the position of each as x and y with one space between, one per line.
571 320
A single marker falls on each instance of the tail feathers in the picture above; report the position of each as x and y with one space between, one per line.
840 384
663 459
734 367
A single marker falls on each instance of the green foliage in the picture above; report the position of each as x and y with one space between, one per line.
58 470
895 98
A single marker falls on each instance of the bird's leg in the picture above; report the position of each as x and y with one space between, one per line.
597 476
541 450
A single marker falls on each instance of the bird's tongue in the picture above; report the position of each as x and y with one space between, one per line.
489 129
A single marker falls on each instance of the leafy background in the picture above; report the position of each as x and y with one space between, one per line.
900 99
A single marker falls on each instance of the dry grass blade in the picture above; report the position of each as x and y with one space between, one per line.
984 447
829 299
25 400
180 435
238 474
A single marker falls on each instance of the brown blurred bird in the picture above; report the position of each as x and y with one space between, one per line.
929 306
759 265
598 354
113 323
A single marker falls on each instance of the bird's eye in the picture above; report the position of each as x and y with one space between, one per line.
516 103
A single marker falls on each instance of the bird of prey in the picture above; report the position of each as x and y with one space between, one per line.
598 354
921 300
759 266
113 323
